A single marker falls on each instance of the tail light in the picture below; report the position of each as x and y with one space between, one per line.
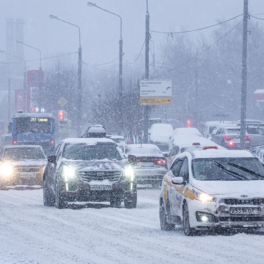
52 142
14 142
247 137
227 137
231 143
161 162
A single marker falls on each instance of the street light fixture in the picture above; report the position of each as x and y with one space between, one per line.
79 96
120 48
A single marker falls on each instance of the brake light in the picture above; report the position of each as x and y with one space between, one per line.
227 137
52 142
247 137
161 162
14 142
231 143
196 144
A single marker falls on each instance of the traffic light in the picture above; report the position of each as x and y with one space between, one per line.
62 117
189 123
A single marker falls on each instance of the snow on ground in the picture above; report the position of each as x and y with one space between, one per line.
32 233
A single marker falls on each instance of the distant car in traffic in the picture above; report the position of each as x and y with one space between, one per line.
182 132
119 140
5 140
89 170
159 135
229 137
207 128
96 131
22 165
150 164
213 190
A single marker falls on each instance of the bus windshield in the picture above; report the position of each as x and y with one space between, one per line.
33 125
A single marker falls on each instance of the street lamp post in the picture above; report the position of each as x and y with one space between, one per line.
39 75
79 94
120 90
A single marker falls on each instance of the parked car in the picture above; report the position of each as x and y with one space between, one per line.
159 135
150 164
229 137
86 170
22 165
213 189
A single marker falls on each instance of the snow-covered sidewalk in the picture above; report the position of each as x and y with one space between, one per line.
32 233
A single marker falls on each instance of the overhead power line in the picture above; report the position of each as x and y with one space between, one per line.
138 54
101 64
198 29
206 49
257 17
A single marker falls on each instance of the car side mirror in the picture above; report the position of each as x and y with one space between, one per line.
132 159
177 180
52 159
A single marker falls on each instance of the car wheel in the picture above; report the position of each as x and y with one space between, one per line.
59 203
48 198
188 231
164 225
130 202
115 202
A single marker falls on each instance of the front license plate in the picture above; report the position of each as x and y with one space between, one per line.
100 187
27 175
244 211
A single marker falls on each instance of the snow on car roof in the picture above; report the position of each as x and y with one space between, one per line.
208 123
216 153
88 141
115 136
96 129
23 146
187 131
33 115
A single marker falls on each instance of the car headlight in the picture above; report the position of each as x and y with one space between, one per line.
68 173
129 173
6 170
203 197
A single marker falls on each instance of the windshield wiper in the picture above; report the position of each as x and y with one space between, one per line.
232 173
245 169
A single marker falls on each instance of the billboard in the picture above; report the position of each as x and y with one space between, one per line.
155 92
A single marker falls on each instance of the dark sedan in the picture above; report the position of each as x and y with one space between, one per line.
89 170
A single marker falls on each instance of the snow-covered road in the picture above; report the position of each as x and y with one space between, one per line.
32 233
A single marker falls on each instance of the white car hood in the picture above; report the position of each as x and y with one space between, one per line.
250 188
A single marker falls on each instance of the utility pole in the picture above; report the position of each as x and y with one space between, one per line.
146 107
79 99
25 91
196 90
244 77
120 69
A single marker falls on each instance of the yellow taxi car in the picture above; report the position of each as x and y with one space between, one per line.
213 189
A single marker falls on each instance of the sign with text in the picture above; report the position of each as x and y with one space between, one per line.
155 92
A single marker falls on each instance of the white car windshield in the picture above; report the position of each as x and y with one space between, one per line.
142 150
228 169
91 152
23 154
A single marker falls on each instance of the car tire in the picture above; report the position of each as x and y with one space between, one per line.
59 202
131 203
164 225
188 231
48 198
115 202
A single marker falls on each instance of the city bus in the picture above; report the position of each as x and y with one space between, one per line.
34 129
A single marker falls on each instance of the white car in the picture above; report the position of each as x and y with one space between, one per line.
213 189
159 135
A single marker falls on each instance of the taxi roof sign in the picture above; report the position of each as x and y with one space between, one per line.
210 147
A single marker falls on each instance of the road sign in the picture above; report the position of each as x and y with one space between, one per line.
62 101
155 92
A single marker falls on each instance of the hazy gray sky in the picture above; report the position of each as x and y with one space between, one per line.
100 31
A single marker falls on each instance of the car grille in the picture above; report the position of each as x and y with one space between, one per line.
241 219
99 175
255 201
28 169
